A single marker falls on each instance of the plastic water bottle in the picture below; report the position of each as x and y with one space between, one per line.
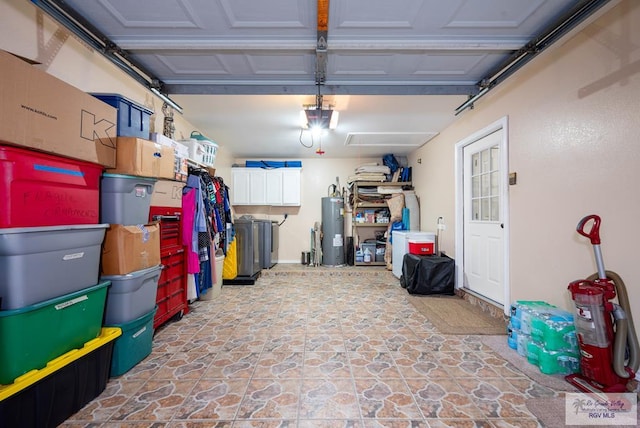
367 255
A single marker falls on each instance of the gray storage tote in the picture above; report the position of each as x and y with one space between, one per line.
131 296
125 199
41 263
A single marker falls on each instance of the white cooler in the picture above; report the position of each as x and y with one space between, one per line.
400 246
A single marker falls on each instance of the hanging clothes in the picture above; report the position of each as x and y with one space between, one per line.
195 206
207 226
188 221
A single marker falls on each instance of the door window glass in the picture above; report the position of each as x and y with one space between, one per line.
485 182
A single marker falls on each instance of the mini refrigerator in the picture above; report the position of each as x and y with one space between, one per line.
400 246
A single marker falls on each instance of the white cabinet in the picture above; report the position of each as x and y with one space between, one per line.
291 185
240 187
274 187
257 186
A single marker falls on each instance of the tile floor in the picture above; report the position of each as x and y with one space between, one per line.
327 349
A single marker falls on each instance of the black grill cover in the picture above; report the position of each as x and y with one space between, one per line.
428 274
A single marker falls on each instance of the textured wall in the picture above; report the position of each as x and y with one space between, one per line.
574 142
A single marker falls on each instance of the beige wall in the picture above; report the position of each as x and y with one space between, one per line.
75 62
574 140
317 175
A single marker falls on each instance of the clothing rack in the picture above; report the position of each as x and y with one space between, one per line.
206 202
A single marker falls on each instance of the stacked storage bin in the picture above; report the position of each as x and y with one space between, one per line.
131 253
54 354
166 209
49 396
545 334
51 300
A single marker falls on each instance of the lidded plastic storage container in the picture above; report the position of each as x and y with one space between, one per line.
40 263
39 189
126 199
133 119
34 335
131 296
67 383
134 345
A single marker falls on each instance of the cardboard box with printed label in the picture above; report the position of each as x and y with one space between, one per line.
167 193
181 167
143 158
128 249
40 111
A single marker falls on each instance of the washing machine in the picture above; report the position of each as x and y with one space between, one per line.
269 241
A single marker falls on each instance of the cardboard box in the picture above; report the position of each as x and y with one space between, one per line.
181 167
167 193
39 111
143 158
167 161
128 249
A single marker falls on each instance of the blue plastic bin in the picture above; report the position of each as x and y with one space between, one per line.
133 119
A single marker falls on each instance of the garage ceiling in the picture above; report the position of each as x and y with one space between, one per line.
243 69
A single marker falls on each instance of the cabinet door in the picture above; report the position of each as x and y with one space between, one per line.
241 188
291 186
257 186
274 186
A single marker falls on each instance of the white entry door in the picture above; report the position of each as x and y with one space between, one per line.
483 203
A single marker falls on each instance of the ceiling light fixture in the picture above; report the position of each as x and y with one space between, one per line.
317 116
318 119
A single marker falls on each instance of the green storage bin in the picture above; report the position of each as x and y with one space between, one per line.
34 335
49 396
134 345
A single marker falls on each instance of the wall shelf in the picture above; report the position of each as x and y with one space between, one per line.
370 264
369 201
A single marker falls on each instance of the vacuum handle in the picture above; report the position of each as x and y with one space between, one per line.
594 233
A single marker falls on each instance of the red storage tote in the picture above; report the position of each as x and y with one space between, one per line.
421 248
39 189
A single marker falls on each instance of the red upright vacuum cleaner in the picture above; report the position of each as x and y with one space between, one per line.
608 343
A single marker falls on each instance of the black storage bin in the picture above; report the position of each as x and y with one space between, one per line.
350 256
64 387
428 274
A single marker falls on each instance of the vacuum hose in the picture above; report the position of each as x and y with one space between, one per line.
625 330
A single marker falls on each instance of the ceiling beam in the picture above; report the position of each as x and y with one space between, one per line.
321 41
311 89
215 46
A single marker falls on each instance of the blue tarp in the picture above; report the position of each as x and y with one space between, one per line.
270 164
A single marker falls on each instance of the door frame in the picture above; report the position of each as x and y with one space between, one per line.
501 123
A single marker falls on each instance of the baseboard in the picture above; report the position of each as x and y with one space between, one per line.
491 308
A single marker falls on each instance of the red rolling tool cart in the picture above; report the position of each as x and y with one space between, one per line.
172 287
